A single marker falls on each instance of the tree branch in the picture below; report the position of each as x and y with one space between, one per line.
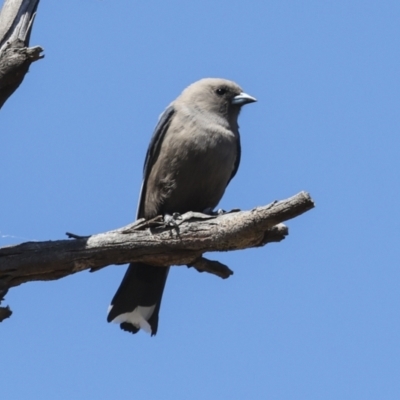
5 312
16 21
154 243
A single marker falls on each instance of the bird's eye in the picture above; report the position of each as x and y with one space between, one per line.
220 91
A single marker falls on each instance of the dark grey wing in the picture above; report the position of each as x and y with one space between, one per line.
153 151
237 161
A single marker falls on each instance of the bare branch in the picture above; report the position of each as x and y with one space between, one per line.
5 312
16 21
154 243
212 267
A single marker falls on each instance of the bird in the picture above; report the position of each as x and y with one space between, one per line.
192 156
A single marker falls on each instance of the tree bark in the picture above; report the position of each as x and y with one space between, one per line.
16 21
182 242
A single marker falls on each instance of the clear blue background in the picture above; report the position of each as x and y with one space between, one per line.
314 317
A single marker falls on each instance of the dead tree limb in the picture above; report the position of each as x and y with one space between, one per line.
154 243
16 21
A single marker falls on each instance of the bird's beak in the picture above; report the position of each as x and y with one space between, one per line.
243 98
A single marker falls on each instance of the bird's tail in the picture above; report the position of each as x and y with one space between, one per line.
136 303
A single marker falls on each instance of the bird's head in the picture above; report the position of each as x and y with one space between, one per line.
219 96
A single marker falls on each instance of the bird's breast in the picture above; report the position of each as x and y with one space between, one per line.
193 168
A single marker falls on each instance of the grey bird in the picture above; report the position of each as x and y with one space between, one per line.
193 154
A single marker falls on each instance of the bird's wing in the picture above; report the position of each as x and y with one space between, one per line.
237 161
153 151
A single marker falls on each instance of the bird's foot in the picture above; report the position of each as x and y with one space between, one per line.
172 220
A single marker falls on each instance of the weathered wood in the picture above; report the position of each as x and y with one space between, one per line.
16 21
5 312
154 243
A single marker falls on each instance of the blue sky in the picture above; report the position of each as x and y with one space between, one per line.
313 317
